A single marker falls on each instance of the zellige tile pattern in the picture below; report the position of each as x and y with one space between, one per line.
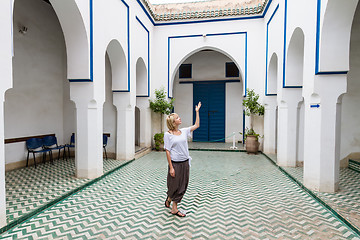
231 195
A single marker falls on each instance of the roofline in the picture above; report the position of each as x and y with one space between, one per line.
255 12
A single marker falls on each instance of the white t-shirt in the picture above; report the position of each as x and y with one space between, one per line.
177 145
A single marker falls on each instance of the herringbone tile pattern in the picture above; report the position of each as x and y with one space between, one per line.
230 196
28 188
347 200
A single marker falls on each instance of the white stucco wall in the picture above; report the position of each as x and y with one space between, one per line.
350 120
34 105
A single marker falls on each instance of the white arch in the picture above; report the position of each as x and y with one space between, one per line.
295 59
77 38
171 83
141 78
272 75
334 41
118 66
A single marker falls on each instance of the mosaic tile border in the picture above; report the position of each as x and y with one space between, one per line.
59 199
319 200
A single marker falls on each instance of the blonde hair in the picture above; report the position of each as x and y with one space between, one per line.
170 121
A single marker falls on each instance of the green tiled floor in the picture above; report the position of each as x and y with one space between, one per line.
28 189
347 200
231 195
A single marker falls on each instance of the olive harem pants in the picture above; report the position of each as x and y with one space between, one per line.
177 185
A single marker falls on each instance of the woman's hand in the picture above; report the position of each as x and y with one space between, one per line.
197 107
172 172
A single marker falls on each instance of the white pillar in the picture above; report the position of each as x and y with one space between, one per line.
2 169
145 121
89 151
287 127
322 134
270 125
89 131
125 142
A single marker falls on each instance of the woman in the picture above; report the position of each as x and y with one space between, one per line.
177 154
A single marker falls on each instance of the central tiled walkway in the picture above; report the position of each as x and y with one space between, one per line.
231 195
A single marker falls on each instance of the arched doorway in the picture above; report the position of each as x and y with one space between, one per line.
38 104
270 116
119 98
213 78
288 114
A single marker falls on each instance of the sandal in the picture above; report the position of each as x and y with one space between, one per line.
179 214
167 203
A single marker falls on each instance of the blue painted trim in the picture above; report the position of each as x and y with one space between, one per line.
146 12
317 36
284 57
202 21
333 73
243 135
91 79
148 41
315 106
128 41
80 80
317 56
209 82
120 91
209 20
267 8
271 94
91 42
208 35
246 64
168 68
142 96
267 52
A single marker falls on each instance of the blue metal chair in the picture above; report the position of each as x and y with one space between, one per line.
105 141
36 145
72 143
50 142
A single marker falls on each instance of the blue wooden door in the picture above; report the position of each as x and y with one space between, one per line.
212 113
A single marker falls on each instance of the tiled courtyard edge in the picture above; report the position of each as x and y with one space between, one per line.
31 190
231 195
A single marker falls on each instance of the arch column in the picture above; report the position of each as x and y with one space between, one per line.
270 125
125 147
145 121
88 146
322 134
287 127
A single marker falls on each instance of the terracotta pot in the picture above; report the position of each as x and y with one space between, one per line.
161 147
252 145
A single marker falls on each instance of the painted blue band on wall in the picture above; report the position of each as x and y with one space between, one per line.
267 53
91 48
208 35
317 57
148 67
315 105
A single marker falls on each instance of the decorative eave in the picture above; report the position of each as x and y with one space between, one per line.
206 13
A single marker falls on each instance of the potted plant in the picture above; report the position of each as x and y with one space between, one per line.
252 108
162 106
